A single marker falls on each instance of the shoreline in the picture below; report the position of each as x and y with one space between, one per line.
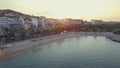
17 47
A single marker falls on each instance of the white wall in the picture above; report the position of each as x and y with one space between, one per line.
35 21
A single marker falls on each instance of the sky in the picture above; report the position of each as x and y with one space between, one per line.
80 9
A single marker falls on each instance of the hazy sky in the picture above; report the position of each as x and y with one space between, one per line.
85 9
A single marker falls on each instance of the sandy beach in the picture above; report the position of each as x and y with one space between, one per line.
17 47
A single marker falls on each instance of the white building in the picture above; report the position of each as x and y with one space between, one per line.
97 22
35 21
46 23
70 22
11 24
8 21
29 20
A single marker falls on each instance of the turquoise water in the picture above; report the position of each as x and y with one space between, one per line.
78 52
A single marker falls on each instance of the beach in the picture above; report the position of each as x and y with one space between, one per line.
17 47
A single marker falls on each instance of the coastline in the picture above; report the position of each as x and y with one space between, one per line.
113 37
17 47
